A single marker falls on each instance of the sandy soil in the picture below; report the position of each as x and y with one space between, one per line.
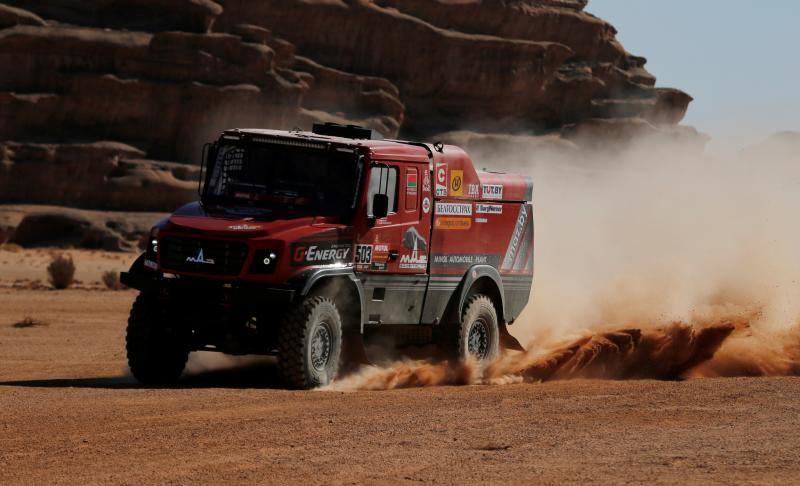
70 414
26 267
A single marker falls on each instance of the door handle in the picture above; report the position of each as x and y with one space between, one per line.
392 255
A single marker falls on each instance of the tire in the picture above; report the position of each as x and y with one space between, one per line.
478 334
310 343
157 349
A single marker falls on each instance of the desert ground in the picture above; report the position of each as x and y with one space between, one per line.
70 413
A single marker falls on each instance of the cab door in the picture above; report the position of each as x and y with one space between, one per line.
391 254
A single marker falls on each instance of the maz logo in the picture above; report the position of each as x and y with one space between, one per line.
200 258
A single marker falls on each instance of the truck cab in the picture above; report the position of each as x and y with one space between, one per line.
303 242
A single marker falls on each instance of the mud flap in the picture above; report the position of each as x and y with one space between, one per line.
507 341
354 355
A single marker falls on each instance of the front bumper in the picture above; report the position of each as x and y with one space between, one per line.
200 288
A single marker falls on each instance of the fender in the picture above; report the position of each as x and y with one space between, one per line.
473 274
485 271
138 265
137 277
308 279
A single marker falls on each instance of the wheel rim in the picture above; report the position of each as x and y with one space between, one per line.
478 339
321 346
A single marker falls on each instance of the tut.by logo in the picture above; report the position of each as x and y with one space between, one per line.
200 258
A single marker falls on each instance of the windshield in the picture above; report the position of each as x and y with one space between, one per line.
286 178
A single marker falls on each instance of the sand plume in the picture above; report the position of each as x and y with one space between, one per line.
720 341
666 353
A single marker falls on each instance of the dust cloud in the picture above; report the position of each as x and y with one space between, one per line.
655 261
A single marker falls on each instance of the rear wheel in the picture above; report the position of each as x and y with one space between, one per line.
478 334
310 343
157 348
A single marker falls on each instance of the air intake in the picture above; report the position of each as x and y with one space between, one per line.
344 131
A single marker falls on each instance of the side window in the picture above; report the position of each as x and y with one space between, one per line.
383 180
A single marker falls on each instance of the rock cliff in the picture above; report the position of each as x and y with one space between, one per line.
106 103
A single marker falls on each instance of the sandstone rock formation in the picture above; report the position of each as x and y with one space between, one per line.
110 175
95 94
505 65
37 226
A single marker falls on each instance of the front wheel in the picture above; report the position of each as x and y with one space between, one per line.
310 343
157 348
478 333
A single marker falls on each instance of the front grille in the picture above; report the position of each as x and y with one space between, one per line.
212 257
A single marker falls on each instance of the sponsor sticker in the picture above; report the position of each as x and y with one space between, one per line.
481 220
426 205
417 259
150 264
448 223
426 181
321 252
453 209
463 259
381 248
411 262
456 182
441 180
378 266
488 208
472 190
411 184
493 191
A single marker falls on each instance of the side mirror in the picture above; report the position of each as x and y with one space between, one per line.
380 206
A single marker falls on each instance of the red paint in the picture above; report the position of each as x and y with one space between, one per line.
498 222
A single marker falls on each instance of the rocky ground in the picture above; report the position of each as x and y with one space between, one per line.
69 413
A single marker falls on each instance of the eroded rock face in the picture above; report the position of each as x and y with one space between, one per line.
40 226
10 16
110 175
505 65
101 91
165 93
144 15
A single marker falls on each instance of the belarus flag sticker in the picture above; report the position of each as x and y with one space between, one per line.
411 183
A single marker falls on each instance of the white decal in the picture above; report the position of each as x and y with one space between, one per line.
481 220
441 180
413 261
200 258
488 208
516 237
493 191
243 227
426 205
472 190
453 209
321 254
426 181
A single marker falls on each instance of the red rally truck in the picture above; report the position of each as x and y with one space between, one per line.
302 243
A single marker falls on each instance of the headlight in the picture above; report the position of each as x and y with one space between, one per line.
152 245
264 261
